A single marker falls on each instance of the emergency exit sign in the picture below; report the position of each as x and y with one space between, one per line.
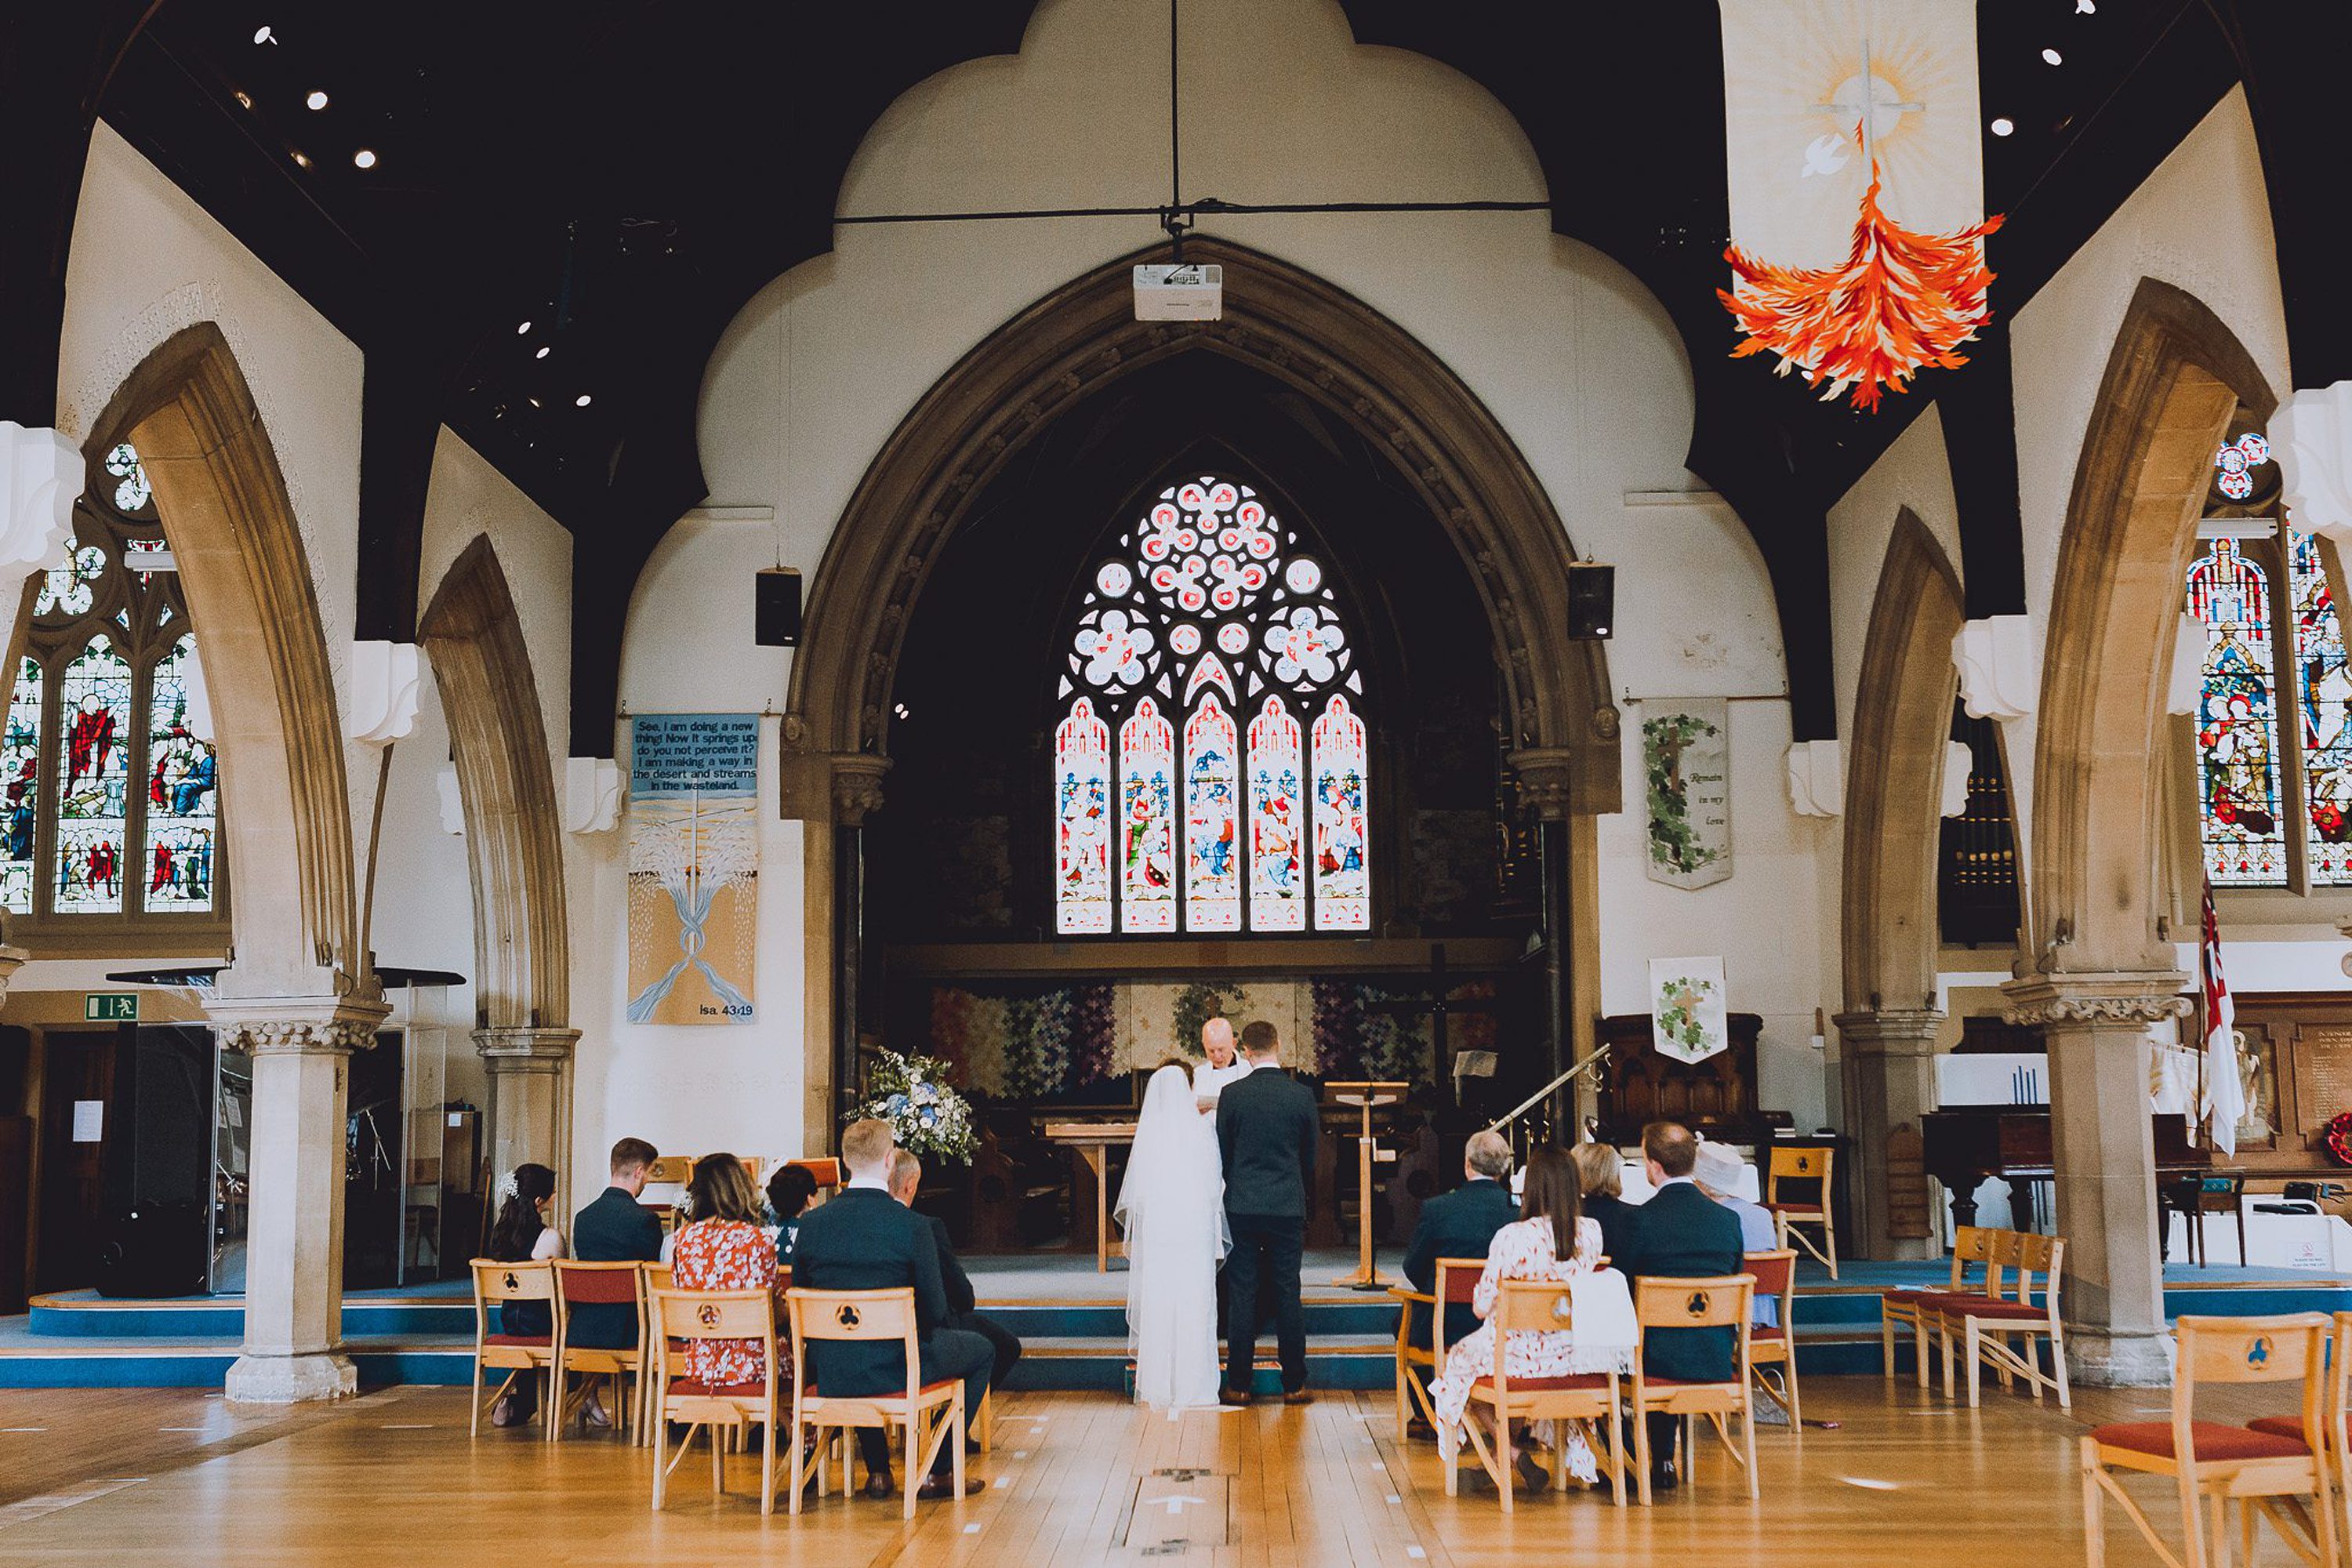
110 1007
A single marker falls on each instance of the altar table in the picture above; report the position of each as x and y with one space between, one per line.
1093 1141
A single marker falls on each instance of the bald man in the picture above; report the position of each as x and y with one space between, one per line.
1225 1063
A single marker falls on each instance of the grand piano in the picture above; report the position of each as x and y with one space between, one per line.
1963 1144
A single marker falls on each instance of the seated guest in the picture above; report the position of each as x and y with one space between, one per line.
1716 1173
521 1234
1551 1240
864 1239
1459 1224
963 1305
1681 1234
790 1192
723 1248
1600 1183
614 1229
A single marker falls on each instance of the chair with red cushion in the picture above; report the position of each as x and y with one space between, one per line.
930 1413
2211 1461
679 1317
1661 1302
1970 1244
1455 1280
1812 1167
1589 1399
598 1284
1775 1347
2335 1442
496 1283
1986 1324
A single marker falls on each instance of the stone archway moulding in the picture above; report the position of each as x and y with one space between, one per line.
1280 319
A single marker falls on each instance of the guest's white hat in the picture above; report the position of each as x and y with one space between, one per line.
1718 1166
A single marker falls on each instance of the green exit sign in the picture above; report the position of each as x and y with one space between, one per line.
110 1007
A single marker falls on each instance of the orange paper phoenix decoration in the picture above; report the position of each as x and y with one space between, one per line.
1900 302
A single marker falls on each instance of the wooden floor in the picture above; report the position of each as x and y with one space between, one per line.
1075 1481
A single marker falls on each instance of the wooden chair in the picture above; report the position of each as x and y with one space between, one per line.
606 1285
2335 1441
1717 1303
680 1316
1775 1274
1985 1322
1528 1306
2207 1459
931 1414
1971 1244
496 1283
1812 1166
827 1173
669 1169
1456 1279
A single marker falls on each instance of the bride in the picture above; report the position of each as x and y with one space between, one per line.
1171 1205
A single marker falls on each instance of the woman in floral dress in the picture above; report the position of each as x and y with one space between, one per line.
1552 1241
726 1249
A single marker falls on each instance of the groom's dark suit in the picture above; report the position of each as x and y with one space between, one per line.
1267 1131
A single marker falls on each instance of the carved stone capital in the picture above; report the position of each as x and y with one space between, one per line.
525 1048
1890 1031
296 1025
12 959
857 786
1547 778
2135 998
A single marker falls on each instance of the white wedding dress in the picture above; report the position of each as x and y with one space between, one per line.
1171 1205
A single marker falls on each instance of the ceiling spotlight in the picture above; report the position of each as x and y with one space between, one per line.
302 160
583 401
2085 7
264 36
521 328
2002 125
535 403
2053 58
317 99
364 158
243 99
543 351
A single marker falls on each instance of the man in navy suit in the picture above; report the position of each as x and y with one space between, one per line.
963 1302
1460 1223
615 1228
864 1239
1681 1233
1267 1128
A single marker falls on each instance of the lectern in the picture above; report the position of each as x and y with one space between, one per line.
1367 1098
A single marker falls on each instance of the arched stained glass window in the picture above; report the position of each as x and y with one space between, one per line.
108 759
1212 646
2324 690
2238 799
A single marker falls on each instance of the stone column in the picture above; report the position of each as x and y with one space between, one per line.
1889 1067
530 1097
856 795
2095 1025
301 1049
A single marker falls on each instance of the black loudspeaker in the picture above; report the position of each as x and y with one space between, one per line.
776 614
1591 600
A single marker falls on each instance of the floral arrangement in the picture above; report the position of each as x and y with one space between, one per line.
929 1118
2340 1138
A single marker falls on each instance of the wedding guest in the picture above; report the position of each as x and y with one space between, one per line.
864 1239
790 1192
723 1248
520 1234
1459 1224
1600 1183
1685 1235
1716 1173
614 1229
1224 1062
1551 1240
964 1304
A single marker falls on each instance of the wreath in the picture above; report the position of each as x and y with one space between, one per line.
2340 1138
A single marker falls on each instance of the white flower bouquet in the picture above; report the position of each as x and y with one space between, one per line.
929 1118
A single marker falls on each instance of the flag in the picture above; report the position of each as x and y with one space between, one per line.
2224 1102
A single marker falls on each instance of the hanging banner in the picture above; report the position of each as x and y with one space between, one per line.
1687 1018
1686 767
1857 187
694 867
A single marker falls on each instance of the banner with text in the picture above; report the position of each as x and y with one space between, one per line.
1686 770
694 867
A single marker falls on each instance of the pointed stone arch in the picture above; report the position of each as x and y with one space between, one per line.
1902 721
514 855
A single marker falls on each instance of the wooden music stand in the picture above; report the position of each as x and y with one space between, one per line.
1367 1098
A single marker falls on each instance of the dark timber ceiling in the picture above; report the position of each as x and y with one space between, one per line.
624 174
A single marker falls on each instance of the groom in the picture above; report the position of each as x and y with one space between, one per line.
1267 1131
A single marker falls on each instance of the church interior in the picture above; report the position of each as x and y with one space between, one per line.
1766 567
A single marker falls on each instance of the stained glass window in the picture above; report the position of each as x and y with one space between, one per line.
2238 798
2324 696
1210 610
108 759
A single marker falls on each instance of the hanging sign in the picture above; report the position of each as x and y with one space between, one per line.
1857 188
1686 770
694 867
1687 1018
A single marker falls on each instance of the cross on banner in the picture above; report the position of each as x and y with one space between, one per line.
1868 85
